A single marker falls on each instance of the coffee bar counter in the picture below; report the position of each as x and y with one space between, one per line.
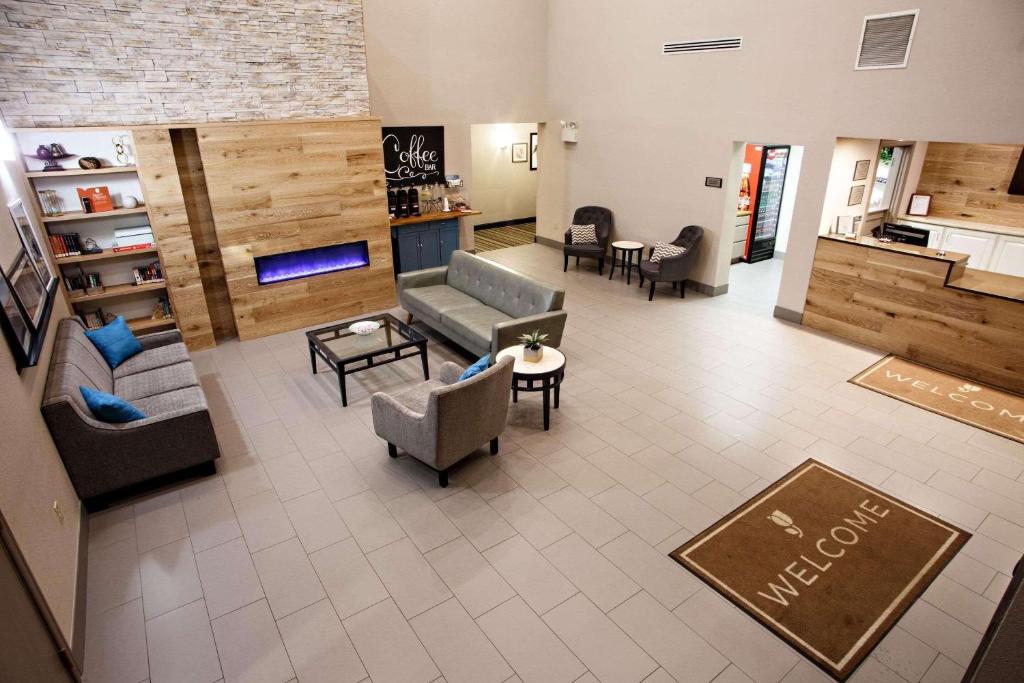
425 241
922 304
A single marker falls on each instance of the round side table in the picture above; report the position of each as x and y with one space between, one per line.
628 249
545 376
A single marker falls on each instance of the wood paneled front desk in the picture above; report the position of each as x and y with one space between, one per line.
922 304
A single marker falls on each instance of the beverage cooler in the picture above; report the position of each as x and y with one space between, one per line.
768 205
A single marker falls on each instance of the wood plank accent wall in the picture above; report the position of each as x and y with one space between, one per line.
283 186
158 174
899 303
969 182
204 232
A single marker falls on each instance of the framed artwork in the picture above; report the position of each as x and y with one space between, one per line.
856 195
520 152
860 169
413 154
919 204
533 151
27 286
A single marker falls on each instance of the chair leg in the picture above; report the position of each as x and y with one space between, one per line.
674 285
600 266
641 279
392 450
565 264
650 297
494 446
442 478
682 289
577 261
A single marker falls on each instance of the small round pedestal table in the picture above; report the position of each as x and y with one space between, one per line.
545 376
628 249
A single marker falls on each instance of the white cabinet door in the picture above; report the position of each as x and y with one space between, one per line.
1008 256
978 245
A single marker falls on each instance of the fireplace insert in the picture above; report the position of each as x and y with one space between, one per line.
292 265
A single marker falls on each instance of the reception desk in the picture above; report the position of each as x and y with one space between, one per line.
921 304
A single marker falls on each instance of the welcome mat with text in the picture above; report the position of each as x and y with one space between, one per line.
826 562
978 405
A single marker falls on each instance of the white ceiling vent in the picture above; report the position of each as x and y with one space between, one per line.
712 45
885 40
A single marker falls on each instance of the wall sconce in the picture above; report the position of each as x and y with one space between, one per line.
570 131
8 152
502 136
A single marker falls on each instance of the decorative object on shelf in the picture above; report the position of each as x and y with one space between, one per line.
364 327
533 349
51 203
520 152
860 169
123 149
57 151
919 204
91 247
27 287
95 199
856 196
533 151
129 202
90 163
43 152
51 154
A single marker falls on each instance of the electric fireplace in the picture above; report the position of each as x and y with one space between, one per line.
292 265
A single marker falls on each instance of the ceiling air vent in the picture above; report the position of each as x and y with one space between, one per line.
713 45
885 40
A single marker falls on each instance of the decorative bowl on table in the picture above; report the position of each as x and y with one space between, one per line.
364 327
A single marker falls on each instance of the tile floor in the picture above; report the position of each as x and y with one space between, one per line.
312 555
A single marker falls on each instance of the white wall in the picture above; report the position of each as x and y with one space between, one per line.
502 190
848 151
796 159
455 63
653 126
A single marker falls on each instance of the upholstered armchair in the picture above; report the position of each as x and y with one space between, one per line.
675 269
441 421
601 218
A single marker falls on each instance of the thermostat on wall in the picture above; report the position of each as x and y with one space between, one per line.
570 132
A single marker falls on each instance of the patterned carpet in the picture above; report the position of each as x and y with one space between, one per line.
489 239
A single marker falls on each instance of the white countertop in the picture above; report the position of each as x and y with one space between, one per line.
940 221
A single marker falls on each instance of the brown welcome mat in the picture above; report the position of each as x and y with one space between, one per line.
826 562
967 401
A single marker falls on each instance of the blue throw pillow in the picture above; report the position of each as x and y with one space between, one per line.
109 408
115 342
476 368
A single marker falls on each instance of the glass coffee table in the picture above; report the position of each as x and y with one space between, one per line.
346 352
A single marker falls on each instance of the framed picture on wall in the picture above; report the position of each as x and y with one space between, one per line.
860 169
27 286
856 195
533 151
520 151
919 204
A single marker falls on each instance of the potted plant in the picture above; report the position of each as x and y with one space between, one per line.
532 349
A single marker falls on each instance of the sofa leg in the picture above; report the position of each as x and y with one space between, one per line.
565 263
392 450
650 297
494 446
600 266
442 478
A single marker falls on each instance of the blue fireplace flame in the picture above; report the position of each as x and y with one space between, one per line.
307 262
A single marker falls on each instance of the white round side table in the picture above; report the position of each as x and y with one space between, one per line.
628 249
545 376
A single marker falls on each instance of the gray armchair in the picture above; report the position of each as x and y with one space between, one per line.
677 268
601 218
440 422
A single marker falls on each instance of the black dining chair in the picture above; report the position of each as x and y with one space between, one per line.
674 269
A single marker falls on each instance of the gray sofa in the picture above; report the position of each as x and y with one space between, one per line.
441 421
481 305
103 458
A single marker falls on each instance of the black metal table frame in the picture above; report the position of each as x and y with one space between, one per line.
340 365
626 261
548 381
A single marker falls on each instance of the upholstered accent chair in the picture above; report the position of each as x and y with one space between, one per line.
441 421
675 269
601 218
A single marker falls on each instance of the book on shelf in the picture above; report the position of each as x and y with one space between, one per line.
148 273
134 247
65 244
95 199
130 239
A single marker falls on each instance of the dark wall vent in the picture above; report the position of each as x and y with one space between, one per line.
710 45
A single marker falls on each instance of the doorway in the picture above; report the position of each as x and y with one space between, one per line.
505 174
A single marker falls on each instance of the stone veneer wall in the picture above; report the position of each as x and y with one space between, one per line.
103 62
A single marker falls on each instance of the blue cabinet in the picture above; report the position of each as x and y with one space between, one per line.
424 245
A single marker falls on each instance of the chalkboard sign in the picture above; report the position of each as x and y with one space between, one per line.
414 155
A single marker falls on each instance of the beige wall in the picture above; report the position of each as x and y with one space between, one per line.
848 152
455 63
502 190
652 126
32 476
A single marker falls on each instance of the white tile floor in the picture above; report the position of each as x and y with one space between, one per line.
312 555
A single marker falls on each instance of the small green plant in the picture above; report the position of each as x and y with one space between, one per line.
533 340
